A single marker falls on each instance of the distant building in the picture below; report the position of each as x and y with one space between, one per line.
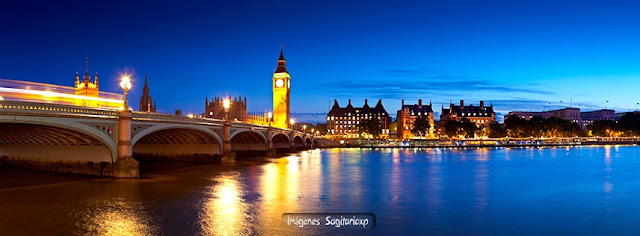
591 116
618 116
481 115
408 114
87 89
146 103
237 109
569 113
343 122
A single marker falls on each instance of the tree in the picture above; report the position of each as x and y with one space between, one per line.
468 128
451 128
370 126
495 131
421 126
374 127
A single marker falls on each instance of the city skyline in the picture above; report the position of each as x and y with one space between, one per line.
582 56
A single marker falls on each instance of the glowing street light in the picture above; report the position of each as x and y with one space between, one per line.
292 122
304 128
226 103
269 116
125 84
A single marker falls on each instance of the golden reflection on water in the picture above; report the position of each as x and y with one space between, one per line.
120 218
483 154
224 212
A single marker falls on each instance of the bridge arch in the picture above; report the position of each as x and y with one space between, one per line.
56 139
298 142
281 142
177 142
246 142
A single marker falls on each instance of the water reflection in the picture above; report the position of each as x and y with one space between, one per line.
224 211
497 191
120 217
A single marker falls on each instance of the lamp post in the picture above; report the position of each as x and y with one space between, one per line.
125 84
304 128
292 122
226 103
269 116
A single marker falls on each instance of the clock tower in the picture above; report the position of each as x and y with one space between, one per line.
281 94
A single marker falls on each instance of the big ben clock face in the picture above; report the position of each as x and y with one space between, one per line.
279 83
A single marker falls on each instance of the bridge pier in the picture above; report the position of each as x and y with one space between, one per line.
125 166
227 154
271 152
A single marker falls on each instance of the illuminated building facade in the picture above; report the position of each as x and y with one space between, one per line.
87 89
408 114
146 103
481 115
237 110
281 93
343 122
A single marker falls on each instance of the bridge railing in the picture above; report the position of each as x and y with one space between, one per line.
48 109
34 108
149 116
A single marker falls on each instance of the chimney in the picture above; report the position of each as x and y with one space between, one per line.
462 103
419 102
481 104
402 102
365 102
349 101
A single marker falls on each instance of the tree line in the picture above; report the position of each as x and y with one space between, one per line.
516 127
627 126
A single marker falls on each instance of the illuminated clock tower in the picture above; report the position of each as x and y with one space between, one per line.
281 91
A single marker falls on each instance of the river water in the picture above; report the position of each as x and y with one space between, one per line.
483 191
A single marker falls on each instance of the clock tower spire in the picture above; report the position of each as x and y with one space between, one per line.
281 93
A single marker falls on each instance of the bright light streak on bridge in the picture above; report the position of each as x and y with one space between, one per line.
14 90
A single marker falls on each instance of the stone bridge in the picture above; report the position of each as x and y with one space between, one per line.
104 141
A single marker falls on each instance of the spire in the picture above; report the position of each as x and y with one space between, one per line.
86 71
281 58
145 89
96 80
77 79
282 63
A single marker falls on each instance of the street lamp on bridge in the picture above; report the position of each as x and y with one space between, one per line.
125 84
269 116
226 103
304 128
292 122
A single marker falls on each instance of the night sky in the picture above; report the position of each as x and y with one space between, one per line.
520 55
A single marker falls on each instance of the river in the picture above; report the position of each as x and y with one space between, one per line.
475 191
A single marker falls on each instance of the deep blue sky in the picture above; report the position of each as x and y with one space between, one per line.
521 55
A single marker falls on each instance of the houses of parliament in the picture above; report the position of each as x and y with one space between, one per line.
281 88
